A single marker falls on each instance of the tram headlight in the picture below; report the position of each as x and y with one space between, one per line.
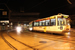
30 29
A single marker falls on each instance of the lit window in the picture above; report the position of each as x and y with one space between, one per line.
61 21
47 22
36 23
42 23
53 22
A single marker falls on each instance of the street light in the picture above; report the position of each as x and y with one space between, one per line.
69 1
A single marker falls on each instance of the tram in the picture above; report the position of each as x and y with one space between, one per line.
54 24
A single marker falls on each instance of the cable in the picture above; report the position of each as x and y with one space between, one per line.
7 1
55 8
37 5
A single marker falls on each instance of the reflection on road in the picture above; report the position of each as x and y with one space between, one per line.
42 41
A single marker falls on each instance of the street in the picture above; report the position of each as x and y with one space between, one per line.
37 24
26 40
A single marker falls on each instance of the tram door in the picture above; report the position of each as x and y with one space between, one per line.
44 28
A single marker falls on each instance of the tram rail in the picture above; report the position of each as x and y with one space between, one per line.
14 48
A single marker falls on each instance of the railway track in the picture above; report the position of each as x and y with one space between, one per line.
48 37
35 45
14 48
38 36
10 45
44 36
41 36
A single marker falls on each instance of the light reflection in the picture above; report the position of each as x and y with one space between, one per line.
67 34
35 36
67 37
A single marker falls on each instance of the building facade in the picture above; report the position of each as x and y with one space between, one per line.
4 17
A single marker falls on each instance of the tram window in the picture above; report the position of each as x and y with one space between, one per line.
30 25
61 21
47 22
36 23
64 22
58 23
67 22
42 23
53 22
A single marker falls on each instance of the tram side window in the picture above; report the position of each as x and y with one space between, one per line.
30 25
53 22
47 22
36 23
42 23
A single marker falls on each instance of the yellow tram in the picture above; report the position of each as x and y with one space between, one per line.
54 24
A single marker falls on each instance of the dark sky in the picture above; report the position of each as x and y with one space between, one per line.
44 7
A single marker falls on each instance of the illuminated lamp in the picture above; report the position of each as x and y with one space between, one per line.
48 18
59 16
36 21
44 18
52 17
39 20
65 16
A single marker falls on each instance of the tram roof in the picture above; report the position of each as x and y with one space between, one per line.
51 17
59 15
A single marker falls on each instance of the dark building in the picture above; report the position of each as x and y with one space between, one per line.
4 16
4 12
72 21
15 18
22 18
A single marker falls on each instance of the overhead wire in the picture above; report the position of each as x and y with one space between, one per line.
36 5
56 8
48 10
7 1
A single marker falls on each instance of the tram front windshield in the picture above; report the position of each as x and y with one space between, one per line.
63 21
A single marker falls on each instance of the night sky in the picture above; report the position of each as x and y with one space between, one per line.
44 7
